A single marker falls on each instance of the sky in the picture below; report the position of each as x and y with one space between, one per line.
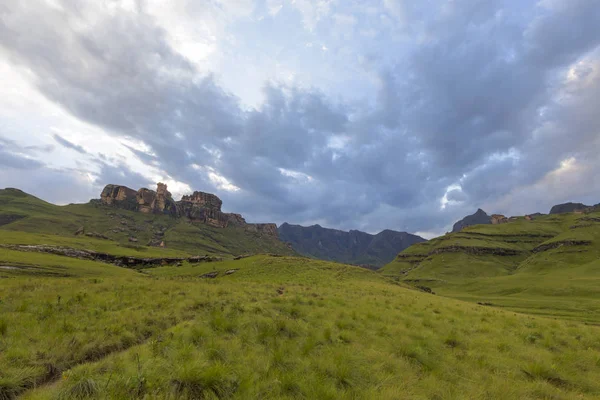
369 115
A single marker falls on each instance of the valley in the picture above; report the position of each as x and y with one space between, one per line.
227 312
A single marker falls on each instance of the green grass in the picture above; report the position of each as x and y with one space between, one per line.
281 327
22 214
556 272
278 327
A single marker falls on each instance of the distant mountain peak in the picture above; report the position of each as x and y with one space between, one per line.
479 217
353 247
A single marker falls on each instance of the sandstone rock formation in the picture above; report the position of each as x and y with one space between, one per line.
206 200
206 207
198 207
120 196
498 219
159 202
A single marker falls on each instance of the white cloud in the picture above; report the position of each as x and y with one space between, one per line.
313 11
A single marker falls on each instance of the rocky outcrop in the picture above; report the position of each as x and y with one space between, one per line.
120 196
568 208
204 200
198 207
159 202
206 208
498 219
480 217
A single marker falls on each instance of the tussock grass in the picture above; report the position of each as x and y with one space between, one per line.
333 332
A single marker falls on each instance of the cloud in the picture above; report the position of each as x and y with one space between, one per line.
15 157
64 142
478 103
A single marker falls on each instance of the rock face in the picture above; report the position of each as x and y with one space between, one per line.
480 217
198 207
568 208
499 219
120 196
206 200
354 247
206 207
159 202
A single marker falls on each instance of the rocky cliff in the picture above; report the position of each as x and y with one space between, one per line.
198 207
159 202
480 217
354 247
120 196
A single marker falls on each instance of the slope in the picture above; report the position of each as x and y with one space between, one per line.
547 265
124 231
354 247
276 328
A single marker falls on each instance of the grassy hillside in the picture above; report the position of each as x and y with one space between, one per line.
21 213
276 328
545 266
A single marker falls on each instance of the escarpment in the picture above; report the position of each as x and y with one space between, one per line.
199 207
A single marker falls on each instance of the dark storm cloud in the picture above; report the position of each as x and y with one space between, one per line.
69 145
465 105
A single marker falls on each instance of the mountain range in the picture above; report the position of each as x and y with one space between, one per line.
353 247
